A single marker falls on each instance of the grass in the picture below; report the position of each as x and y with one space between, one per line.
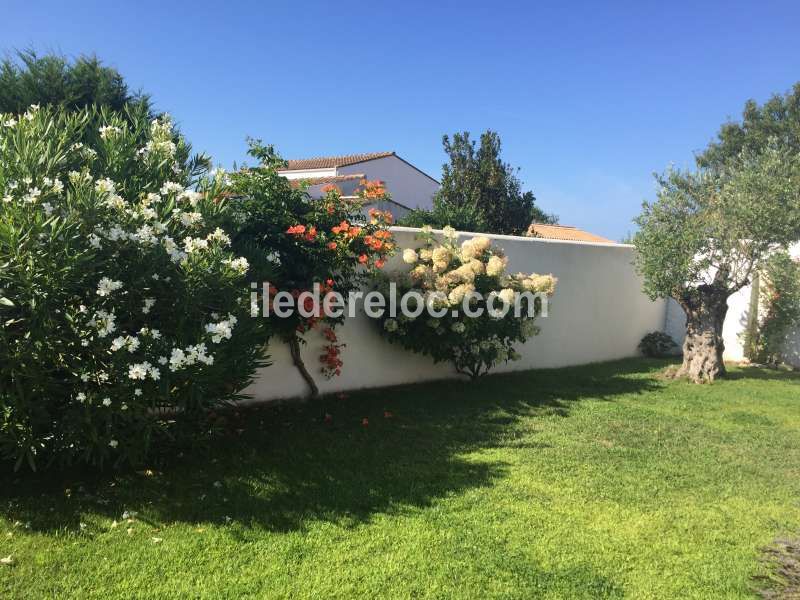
589 482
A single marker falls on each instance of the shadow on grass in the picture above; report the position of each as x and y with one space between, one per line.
284 466
762 373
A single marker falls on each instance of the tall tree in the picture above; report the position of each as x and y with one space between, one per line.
709 231
27 78
479 191
53 80
775 121
705 235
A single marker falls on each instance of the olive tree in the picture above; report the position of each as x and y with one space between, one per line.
707 232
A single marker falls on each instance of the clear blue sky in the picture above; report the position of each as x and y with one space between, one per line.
589 98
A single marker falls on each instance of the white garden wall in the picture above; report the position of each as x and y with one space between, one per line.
598 313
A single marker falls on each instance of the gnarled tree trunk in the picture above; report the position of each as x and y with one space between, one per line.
703 347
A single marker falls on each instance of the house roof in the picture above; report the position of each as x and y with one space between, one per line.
325 180
331 162
564 232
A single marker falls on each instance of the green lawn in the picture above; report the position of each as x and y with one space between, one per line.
598 481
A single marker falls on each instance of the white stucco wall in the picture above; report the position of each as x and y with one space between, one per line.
407 185
598 313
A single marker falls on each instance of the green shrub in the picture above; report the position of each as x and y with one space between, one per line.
447 275
120 303
780 298
294 242
658 345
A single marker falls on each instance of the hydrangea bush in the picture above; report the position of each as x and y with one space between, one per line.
447 276
294 242
123 312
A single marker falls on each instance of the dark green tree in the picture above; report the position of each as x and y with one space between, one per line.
775 121
27 78
53 80
479 191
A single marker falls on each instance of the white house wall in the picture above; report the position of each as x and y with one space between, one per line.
598 313
407 185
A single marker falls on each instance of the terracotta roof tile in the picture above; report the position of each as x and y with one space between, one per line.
330 162
325 180
564 232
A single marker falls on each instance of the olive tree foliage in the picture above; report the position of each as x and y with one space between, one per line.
775 121
705 234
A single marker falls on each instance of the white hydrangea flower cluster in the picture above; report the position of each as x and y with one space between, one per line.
447 274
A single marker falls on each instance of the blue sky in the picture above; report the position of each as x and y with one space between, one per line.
589 98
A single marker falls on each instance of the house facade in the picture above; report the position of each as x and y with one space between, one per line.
408 186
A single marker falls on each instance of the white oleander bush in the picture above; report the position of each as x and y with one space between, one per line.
447 277
124 316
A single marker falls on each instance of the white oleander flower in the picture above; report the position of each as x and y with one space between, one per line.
107 131
191 219
190 196
116 202
138 371
106 401
170 187
148 304
116 233
104 322
106 286
218 235
221 330
32 195
105 186
113 443
193 244
240 265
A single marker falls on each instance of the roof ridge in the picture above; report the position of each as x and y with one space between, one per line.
330 162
